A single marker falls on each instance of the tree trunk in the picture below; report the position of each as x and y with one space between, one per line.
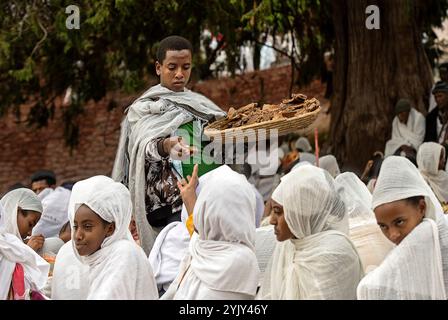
373 70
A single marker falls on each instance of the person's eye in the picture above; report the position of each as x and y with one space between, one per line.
186 67
400 222
88 227
382 226
171 68
75 227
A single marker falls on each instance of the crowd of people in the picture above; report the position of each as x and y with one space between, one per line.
294 227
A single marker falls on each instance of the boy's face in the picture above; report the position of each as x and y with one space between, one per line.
90 231
39 186
175 70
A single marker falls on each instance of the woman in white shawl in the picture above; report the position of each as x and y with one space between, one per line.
315 259
221 262
408 128
431 160
22 210
118 268
410 216
369 241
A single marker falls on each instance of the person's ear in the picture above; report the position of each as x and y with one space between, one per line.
158 68
422 207
110 229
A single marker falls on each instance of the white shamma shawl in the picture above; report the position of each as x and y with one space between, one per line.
418 267
119 269
321 262
155 114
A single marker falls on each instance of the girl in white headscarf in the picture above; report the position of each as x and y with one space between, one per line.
430 161
221 262
118 268
409 215
70 276
315 259
369 241
22 210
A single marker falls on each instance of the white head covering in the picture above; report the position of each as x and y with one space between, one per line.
54 215
413 270
70 276
303 144
366 235
119 269
330 164
411 133
322 262
23 198
12 248
428 158
223 254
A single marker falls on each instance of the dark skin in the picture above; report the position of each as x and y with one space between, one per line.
441 99
281 229
90 230
403 117
397 219
442 160
26 220
39 186
174 72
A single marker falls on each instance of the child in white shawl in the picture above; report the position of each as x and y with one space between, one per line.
22 210
118 268
431 163
221 262
410 216
315 258
70 276
369 241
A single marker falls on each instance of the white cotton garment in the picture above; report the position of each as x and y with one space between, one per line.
55 213
70 277
365 233
221 263
428 159
330 164
165 257
12 248
172 242
417 268
153 115
265 242
320 262
410 134
120 268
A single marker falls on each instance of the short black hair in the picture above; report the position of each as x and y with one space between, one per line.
176 43
414 201
46 175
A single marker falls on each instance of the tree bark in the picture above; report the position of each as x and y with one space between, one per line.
373 70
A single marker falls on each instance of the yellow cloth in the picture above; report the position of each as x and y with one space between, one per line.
190 224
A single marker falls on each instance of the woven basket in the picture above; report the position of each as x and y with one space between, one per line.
252 131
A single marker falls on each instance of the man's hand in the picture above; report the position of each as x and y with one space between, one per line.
177 148
36 242
188 189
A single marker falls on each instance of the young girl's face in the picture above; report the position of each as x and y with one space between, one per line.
397 219
90 231
26 220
